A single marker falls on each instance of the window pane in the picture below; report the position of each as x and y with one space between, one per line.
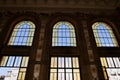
11 69
104 61
54 62
53 74
22 73
9 73
117 62
63 34
112 71
68 62
4 61
104 35
76 74
110 62
22 34
75 62
61 74
64 69
69 75
17 61
10 61
60 62
25 62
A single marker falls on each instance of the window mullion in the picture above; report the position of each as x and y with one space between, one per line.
72 68
64 68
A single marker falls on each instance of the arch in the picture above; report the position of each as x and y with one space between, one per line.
104 35
63 34
22 34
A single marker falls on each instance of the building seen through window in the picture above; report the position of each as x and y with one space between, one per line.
111 67
13 67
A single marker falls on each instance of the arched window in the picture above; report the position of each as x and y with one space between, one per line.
104 35
22 34
63 34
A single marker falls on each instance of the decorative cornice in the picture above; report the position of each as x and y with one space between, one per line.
72 4
9 13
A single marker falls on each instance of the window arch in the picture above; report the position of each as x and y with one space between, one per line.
22 34
104 35
63 34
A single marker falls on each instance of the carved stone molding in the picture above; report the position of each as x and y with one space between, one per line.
59 5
